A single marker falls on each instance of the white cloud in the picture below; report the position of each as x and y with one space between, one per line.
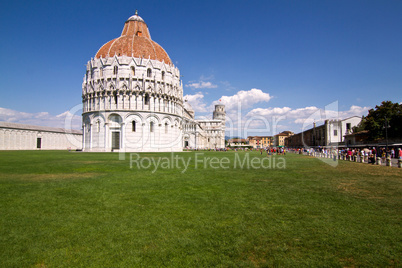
197 102
269 111
243 99
271 121
41 118
308 115
236 107
354 110
202 84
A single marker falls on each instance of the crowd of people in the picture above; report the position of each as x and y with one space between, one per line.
370 153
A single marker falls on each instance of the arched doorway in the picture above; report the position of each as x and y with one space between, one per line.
115 131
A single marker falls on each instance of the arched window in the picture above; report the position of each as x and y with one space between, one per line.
132 70
98 126
138 33
133 126
115 69
166 128
149 72
146 100
151 127
163 75
100 72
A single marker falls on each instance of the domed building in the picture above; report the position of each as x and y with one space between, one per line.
133 99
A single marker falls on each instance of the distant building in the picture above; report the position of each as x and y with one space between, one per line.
204 134
279 139
26 137
362 139
258 142
357 138
238 143
331 133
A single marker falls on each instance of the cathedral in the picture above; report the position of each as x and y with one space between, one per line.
132 99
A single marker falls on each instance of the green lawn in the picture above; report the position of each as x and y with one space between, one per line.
68 209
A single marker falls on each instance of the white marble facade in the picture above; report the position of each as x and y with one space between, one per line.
337 129
204 134
135 104
132 104
26 137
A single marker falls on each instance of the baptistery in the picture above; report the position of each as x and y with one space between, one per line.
132 95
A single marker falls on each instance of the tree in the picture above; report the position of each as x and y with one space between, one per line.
360 126
375 121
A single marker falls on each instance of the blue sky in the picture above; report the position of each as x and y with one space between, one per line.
284 59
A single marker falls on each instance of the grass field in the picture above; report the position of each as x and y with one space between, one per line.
68 209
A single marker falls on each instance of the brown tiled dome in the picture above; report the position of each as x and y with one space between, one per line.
135 41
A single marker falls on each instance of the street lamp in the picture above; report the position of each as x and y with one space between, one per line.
386 126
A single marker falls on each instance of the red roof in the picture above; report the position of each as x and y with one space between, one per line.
135 41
